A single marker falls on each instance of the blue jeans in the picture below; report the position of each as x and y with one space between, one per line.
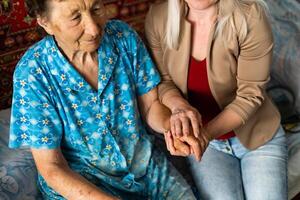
229 171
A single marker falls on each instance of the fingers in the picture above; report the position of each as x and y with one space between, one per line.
192 152
203 147
204 139
195 145
178 127
184 121
195 126
173 129
196 122
180 124
197 150
170 146
174 151
181 146
204 142
185 126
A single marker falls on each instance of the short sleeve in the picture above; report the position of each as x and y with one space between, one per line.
145 73
35 122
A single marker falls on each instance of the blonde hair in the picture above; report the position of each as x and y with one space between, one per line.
225 19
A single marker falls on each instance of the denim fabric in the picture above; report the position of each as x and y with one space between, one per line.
229 171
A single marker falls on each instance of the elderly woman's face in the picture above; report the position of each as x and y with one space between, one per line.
76 24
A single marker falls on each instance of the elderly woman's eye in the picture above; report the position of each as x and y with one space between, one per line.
76 17
98 10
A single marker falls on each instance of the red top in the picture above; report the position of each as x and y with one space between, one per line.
200 95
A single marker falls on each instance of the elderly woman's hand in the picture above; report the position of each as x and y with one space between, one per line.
197 145
186 145
175 146
184 120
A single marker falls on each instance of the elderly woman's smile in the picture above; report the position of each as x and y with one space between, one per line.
76 25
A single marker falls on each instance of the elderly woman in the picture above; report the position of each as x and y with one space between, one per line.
214 57
79 96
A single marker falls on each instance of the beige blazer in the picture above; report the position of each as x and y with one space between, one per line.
237 73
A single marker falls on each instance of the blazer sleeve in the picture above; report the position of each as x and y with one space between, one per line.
154 35
253 65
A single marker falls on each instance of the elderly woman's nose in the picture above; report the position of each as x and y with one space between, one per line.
91 26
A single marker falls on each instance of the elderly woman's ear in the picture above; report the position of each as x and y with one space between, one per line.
44 23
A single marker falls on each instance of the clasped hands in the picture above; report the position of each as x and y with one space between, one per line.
187 136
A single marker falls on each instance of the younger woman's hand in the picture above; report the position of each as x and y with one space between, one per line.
185 120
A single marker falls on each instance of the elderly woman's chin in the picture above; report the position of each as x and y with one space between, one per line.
90 45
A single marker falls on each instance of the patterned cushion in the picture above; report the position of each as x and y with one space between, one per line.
17 170
285 21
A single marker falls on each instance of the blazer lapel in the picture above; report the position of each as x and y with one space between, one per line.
208 61
178 59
